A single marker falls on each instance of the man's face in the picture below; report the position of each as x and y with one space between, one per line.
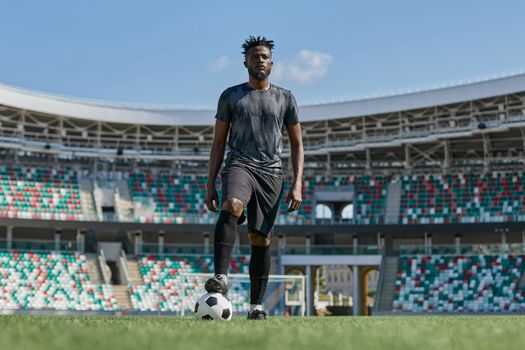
259 62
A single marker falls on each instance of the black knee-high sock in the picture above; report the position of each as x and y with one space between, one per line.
224 238
259 272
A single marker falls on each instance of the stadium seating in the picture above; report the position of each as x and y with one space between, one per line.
163 282
370 196
370 199
478 283
51 281
180 199
176 198
462 198
35 193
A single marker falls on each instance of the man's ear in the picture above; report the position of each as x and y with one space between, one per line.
245 64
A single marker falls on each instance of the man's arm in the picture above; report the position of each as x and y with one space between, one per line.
296 146
216 157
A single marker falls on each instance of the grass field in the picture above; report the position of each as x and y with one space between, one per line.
148 333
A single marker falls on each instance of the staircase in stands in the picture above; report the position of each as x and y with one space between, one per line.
388 285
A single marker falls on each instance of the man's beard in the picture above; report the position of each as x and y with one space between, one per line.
259 74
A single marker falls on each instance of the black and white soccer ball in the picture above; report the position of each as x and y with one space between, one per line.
213 306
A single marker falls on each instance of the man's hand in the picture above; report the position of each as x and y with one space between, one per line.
294 198
212 199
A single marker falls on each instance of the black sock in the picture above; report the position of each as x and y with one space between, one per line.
223 240
259 272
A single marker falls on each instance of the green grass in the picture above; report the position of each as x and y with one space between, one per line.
149 333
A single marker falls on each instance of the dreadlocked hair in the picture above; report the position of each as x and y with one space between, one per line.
253 41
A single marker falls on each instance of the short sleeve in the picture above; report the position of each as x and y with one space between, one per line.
223 109
292 112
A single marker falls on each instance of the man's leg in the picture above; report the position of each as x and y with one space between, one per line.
224 238
262 211
259 272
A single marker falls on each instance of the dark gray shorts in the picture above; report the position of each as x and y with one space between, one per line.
260 193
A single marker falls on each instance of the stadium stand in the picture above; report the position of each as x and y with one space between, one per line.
498 196
370 199
177 198
36 193
463 198
162 281
50 281
477 283
173 196
441 168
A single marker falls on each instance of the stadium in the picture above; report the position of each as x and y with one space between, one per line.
413 204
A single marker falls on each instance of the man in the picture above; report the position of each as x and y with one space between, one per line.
254 113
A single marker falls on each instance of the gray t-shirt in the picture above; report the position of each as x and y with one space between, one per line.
256 118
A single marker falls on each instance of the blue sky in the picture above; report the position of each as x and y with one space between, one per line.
184 53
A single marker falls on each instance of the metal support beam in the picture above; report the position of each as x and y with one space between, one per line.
428 243
447 159
487 152
308 271
138 243
161 243
206 238
368 159
99 134
328 164
176 140
457 243
81 241
137 137
307 244
356 294
21 124
58 234
9 238
523 138
408 159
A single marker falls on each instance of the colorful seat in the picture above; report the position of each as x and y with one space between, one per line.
478 283
163 282
462 198
36 193
51 281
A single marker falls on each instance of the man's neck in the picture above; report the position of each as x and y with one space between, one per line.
259 84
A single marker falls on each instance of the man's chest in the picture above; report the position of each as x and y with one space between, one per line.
257 110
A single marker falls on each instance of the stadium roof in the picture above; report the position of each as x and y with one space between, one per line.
158 115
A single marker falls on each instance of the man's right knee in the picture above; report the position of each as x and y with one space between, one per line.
234 206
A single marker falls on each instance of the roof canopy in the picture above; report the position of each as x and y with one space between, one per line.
157 115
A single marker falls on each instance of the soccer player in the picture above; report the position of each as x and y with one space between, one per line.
255 114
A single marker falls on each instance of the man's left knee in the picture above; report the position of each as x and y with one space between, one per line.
258 240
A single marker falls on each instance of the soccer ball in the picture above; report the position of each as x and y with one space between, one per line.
213 306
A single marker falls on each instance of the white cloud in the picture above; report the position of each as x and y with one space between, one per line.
220 63
305 67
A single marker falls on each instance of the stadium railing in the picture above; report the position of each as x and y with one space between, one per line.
330 250
193 249
462 249
39 245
